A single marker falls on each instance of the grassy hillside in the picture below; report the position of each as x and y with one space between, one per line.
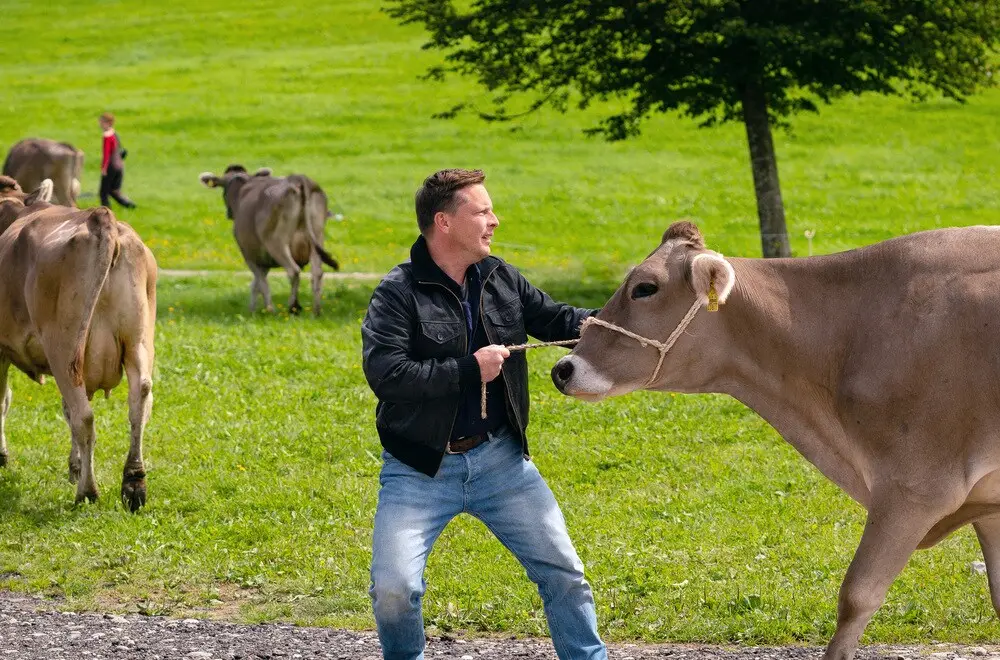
695 521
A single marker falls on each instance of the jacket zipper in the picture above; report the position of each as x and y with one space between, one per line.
506 385
465 349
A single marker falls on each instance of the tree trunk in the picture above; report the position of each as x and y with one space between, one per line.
773 233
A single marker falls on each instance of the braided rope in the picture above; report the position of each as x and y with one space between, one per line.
662 347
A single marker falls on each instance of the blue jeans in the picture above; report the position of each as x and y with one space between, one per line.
494 483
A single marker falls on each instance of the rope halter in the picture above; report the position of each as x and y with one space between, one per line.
662 347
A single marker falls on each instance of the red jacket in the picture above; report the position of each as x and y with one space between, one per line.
111 150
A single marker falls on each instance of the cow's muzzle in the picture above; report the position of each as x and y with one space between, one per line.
562 373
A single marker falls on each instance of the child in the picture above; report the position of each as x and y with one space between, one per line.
112 165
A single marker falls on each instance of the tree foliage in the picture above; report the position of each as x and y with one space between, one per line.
698 56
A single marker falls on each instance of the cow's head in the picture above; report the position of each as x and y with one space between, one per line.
230 182
13 199
11 191
653 301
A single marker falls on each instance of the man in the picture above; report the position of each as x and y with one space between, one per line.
434 332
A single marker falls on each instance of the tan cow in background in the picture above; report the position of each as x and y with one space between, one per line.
277 221
33 160
78 302
880 365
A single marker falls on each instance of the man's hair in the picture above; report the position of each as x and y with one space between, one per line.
107 118
439 191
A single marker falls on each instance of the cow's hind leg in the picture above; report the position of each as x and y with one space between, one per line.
74 449
316 271
988 531
140 405
894 528
80 416
4 407
259 286
283 255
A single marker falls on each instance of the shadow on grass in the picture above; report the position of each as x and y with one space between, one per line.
226 300
40 512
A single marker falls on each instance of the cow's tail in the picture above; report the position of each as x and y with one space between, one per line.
103 226
304 186
77 171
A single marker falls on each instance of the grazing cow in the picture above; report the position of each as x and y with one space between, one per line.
881 366
78 301
277 221
33 160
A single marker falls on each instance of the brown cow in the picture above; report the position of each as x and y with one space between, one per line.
78 294
33 160
880 365
277 221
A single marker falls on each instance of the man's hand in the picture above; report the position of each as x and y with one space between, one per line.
490 359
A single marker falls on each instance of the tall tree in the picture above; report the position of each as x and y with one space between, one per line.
755 61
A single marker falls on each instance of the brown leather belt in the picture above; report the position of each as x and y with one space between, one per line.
463 445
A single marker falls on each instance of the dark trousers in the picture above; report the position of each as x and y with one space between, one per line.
111 184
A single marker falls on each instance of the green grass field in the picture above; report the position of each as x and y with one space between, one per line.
695 520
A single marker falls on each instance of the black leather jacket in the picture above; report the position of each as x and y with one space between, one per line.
415 342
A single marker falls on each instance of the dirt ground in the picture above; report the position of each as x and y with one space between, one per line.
34 629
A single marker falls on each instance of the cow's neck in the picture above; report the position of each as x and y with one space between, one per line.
233 193
787 328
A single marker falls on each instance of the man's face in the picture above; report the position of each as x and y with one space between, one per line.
471 223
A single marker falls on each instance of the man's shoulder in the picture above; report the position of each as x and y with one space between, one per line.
498 264
400 277
502 269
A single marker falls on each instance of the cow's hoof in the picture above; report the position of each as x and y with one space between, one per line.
134 494
134 489
90 496
3 460
295 309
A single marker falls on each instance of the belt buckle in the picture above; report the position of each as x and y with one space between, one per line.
478 438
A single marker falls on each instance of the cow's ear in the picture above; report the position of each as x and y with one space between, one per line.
712 278
8 185
209 179
42 194
264 171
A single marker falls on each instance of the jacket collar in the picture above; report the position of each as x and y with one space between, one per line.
426 270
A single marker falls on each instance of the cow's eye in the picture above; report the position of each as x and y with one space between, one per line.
643 290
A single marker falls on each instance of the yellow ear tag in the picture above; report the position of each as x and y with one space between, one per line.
713 297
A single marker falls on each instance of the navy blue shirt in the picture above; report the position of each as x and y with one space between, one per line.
469 420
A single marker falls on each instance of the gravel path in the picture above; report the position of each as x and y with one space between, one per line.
34 629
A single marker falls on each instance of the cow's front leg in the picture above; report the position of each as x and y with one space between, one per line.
4 407
140 404
896 524
988 531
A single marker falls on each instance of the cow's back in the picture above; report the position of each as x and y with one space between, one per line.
76 284
270 204
921 337
33 160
